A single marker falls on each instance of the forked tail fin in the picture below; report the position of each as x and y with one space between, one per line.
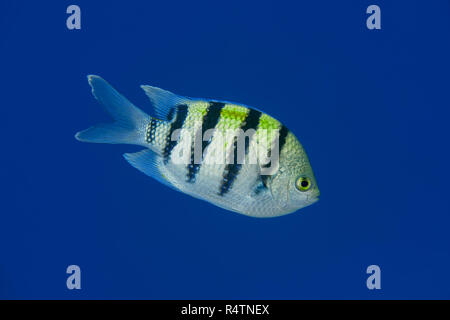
130 121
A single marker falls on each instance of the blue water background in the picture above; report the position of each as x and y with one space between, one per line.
371 108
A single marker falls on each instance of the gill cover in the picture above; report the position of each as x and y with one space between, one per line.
279 189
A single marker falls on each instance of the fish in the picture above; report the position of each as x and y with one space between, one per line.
229 154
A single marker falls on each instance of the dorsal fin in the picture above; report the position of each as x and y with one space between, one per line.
163 101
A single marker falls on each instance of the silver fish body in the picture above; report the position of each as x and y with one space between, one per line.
231 155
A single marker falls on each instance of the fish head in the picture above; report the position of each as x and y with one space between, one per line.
294 185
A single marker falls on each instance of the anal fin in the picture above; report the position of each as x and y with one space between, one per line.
148 162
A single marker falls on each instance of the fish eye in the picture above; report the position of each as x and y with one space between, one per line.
303 183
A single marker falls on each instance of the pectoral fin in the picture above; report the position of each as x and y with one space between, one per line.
279 190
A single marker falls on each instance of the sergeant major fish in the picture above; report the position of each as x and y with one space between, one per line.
239 186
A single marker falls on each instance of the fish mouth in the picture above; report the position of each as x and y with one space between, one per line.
313 199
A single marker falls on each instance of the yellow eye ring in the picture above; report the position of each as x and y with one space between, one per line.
303 183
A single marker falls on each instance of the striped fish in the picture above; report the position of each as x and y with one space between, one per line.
229 154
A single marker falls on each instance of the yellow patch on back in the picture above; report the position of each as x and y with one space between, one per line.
234 112
267 122
267 130
195 115
231 118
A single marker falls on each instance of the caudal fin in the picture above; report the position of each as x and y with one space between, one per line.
130 121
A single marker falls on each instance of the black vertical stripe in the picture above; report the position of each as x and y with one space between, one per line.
170 114
264 180
210 120
282 138
261 185
181 112
251 122
231 170
282 135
